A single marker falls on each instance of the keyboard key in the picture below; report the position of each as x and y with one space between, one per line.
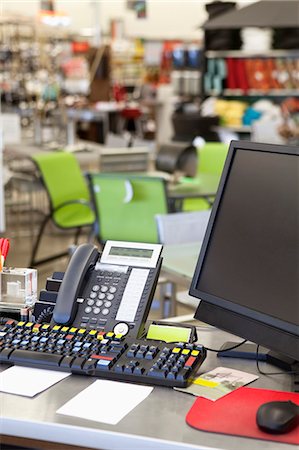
139 370
35 358
128 369
66 362
190 361
103 364
171 376
5 353
157 373
77 364
185 351
183 374
149 355
119 368
89 366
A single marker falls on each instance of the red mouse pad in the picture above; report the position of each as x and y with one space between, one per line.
236 412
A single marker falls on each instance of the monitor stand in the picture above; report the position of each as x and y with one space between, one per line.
238 324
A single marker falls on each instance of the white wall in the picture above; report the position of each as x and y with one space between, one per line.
175 19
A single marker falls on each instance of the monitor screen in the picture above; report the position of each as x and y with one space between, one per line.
248 269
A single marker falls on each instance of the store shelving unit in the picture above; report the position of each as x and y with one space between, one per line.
263 14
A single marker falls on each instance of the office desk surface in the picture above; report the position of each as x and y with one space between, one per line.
157 423
204 186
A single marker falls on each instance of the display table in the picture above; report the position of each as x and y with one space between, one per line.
205 187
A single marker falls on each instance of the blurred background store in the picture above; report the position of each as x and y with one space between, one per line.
136 86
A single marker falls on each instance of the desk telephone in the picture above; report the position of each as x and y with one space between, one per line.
98 322
109 292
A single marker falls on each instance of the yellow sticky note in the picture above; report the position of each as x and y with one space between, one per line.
207 383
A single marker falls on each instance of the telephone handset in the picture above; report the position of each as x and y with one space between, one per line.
112 291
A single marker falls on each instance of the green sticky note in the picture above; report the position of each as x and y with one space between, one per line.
168 333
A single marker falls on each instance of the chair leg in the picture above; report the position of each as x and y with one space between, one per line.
77 235
37 242
36 262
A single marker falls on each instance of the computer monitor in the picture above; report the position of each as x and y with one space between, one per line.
247 274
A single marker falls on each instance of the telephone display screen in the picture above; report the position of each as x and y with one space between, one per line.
131 252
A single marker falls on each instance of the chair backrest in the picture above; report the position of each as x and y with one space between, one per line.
64 181
180 228
126 206
212 158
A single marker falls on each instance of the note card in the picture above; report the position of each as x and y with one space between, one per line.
114 400
27 381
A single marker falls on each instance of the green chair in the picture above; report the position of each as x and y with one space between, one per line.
69 197
211 159
126 206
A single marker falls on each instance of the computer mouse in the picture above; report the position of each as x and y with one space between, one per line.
277 417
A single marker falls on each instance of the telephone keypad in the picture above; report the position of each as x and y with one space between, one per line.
90 302
101 297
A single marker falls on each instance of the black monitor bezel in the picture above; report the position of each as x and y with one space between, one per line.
240 311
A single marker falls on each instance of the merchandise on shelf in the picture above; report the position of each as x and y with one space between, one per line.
252 75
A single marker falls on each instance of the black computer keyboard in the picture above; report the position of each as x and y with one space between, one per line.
99 354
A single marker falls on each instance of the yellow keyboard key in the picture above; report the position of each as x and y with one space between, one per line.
109 334
73 330
194 353
81 331
56 327
45 327
176 350
20 324
92 332
185 351
64 329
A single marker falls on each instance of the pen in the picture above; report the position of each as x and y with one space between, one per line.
4 248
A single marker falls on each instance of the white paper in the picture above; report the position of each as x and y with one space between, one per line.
27 381
106 401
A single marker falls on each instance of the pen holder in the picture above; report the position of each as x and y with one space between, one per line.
18 287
